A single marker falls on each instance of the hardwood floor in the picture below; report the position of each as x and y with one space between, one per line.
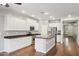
27 51
71 48
67 51
3 54
60 50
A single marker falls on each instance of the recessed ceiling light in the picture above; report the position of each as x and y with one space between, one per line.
23 11
33 15
44 12
39 18
50 17
54 18
69 15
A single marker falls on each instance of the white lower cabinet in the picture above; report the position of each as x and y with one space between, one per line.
58 38
50 44
44 45
11 45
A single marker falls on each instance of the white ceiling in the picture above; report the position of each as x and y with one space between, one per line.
56 10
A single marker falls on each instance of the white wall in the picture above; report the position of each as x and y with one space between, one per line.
78 33
1 33
57 24
31 22
43 28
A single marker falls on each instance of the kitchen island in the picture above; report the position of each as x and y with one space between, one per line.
43 44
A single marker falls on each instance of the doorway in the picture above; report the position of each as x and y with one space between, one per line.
70 36
70 30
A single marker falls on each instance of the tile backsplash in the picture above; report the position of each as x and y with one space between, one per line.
10 33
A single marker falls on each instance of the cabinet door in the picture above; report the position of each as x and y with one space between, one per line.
15 23
1 33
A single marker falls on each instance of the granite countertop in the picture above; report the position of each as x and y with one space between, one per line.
19 36
41 37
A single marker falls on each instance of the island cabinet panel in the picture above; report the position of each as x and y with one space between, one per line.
44 44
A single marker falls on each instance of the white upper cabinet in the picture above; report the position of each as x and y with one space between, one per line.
19 23
15 23
31 22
